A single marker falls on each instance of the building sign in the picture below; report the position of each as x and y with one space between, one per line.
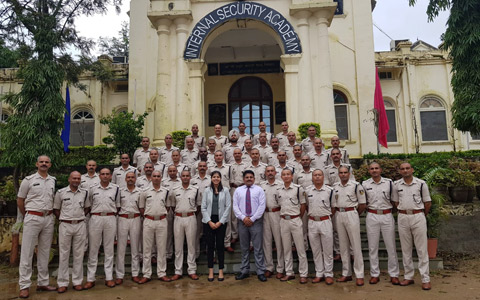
339 9
248 67
242 10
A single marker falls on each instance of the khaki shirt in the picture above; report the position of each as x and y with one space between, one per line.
199 141
71 204
290 199
211 158
256 138
411 196
118 175
104 200
319 201
307 145
140 157
242 138
279 170
221 141
153 201
345 157
129 201
165 155
259 171
296 164
246 157
194 168
228 152
201 183
236 173
319 161
189 157
87 182
143 182
38 192
170 185
186 200
224 170
331 172
289 150
282 139
180 168
271 193
303 178
271 157
158 166
378 194
348 195
263 152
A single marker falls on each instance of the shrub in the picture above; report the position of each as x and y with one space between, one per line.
303 129
7 190
179 138
78 156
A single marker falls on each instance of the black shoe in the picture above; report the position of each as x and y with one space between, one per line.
262 278
241 276
211 279
221 279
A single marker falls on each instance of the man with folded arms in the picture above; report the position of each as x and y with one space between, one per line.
186 201
349 202
291 198
152 206
412 198
70 207
35 202
249 206
129 225
104 199
320 228
271 224
378 191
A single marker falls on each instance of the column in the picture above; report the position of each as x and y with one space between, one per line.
305 91
290 63
163 117
181 92
195 109
325 110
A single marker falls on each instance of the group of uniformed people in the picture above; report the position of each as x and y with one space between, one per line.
312 200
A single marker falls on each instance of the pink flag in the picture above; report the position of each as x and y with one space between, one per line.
383 126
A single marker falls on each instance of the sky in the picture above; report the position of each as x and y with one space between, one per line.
395 17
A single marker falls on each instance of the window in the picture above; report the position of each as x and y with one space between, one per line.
433 120
341 114
385 75
392 121
250 101
82 129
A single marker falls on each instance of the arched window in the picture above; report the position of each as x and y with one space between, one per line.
433 118
392 121
82 129
250 101
341 114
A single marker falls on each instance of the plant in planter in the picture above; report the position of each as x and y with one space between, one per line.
474 167
462 186
439 179
435 217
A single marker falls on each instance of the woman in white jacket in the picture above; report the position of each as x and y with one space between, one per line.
216 204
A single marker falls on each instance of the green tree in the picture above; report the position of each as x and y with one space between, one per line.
116 46
8 56
125 131
462 41
46 28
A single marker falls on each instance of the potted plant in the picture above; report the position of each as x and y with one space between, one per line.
474 167
434 219
439 179
461 188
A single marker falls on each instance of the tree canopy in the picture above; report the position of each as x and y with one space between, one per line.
116 46
462 41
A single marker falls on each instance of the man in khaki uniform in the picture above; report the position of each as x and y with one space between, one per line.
236 180
349 202
88 180
283 164
307 143
320 228
271 224
201 181
263 130
332 169
283 136
157 165
291 198
230 147
35 202
271 155
291 142
187 202
118 175
220 140
378 191
170 183
166 151
145 180
211 151
296 161
129 225
141 156
262 146
256 166
247 150
242 136
152 206
104 199
189 155
199 141
335 141
70 207
412 199
318 156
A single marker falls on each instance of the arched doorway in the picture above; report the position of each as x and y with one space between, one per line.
250 101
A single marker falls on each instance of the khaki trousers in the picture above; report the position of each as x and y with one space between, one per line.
170 241
320 234
185 226
293 229
232 225
36 230
199 234
384 224
128 228
101 228
154 231
71 237
413 231
348 228
271 229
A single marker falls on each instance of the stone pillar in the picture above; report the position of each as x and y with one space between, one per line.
181 93
195 108
290 63
305 90
325 109
163 117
